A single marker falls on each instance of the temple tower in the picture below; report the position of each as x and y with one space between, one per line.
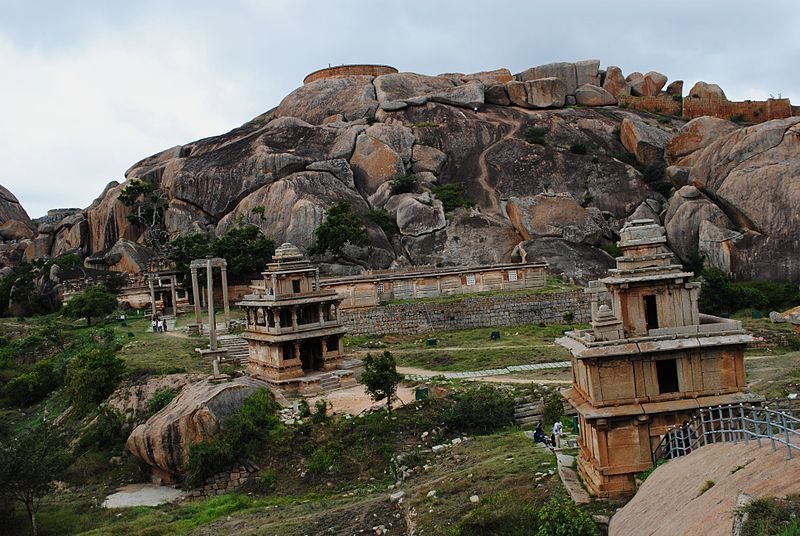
293 329
649 361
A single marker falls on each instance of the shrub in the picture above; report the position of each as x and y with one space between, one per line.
451 196
339 227
578 148
500 514
267 480
772 516
91 303
655 176
383 220
92 375
321 414
662 120
612 249
404 184
108 430
677 98
322 461
737 118
718 295
625 157
208 458
536 135
161 398
560 517
31 387
380 378
481 410
553 408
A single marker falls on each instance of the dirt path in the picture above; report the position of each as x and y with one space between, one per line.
454 348
355 400
515 124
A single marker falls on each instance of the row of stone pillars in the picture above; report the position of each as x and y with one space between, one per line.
172 284
209 264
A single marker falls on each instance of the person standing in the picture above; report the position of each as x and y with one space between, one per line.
164 325
154 325
558 431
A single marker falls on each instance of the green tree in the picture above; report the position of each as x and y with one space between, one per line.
184 249
92 302
380 378
561 517
29 463
247 249
147 205
339 227
92 375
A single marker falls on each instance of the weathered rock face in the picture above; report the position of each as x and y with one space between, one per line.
10 209
349 98
764 158
197 413
695 135
589 95
706 91
688 208
553 215
345 139
15 230
577 263
645 141
131 400
123 256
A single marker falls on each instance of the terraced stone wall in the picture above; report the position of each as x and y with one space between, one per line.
473 312
349 70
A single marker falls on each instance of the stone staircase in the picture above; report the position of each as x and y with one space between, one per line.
235 347
528 410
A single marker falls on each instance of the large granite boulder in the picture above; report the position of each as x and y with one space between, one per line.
124 256
645 141
651 84
425 158
497 94
751 173
374 163
11 209
540 93
469 95
587 72
575 263
351 97
398 138
553 215
15 230
416 214
704 90
590 95
635 81
698 133
615 83
198 413
687 209
562 70
410 87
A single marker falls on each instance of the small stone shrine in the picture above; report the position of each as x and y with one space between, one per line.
649 361
293 330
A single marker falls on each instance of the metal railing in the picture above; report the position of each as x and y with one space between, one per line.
734 423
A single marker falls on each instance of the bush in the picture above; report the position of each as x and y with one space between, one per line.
404 184
208 458
246 249
560 517
322 461
553 408
663 120
451 196
31 387
92 375
108 430
161 398
720 296
383 220
502 514
91 303
535 135
340 227
578 148
481 410
768 516
737 118
320 416
655 176
626 157
267 480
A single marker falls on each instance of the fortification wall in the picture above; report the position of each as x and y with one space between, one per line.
745 111
472 312
349 70
658 104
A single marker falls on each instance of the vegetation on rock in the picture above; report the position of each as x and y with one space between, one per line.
92 375
340 226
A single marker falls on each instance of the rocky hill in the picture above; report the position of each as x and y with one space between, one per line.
549 161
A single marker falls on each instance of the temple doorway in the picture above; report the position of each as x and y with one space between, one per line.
311 354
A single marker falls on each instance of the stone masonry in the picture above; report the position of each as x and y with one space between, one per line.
474 312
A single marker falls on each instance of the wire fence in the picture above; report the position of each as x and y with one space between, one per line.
734 423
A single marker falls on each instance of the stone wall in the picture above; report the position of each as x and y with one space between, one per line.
473 312
745 111
225 481
349 70
659 104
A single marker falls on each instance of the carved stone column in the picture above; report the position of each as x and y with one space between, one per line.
172 284
294 318
196 295
152 297
225 305
212 321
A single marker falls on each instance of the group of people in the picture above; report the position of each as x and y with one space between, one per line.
159 326
554 439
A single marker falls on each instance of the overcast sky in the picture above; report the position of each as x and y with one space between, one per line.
90 87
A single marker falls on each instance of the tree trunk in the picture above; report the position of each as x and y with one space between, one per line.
31 515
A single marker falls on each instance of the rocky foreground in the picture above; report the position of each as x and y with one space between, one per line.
549 161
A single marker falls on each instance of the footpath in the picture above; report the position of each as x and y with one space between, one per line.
412 373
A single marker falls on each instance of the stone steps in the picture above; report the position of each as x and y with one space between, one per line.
236 348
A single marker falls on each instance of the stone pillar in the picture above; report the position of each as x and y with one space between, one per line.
277 316
212 321
321 308
296 353
294 318
316 279
172 284
274 285
225 305
152 297
324 344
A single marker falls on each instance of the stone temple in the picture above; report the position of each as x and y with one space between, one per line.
649 361
293 330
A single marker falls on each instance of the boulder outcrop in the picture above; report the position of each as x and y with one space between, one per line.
589 95
615 83
539 93
199 412
553 215
645 141
704 90
10 209
695 135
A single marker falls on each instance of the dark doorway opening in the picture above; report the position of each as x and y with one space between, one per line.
311 354
296 286
667 371
650 312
